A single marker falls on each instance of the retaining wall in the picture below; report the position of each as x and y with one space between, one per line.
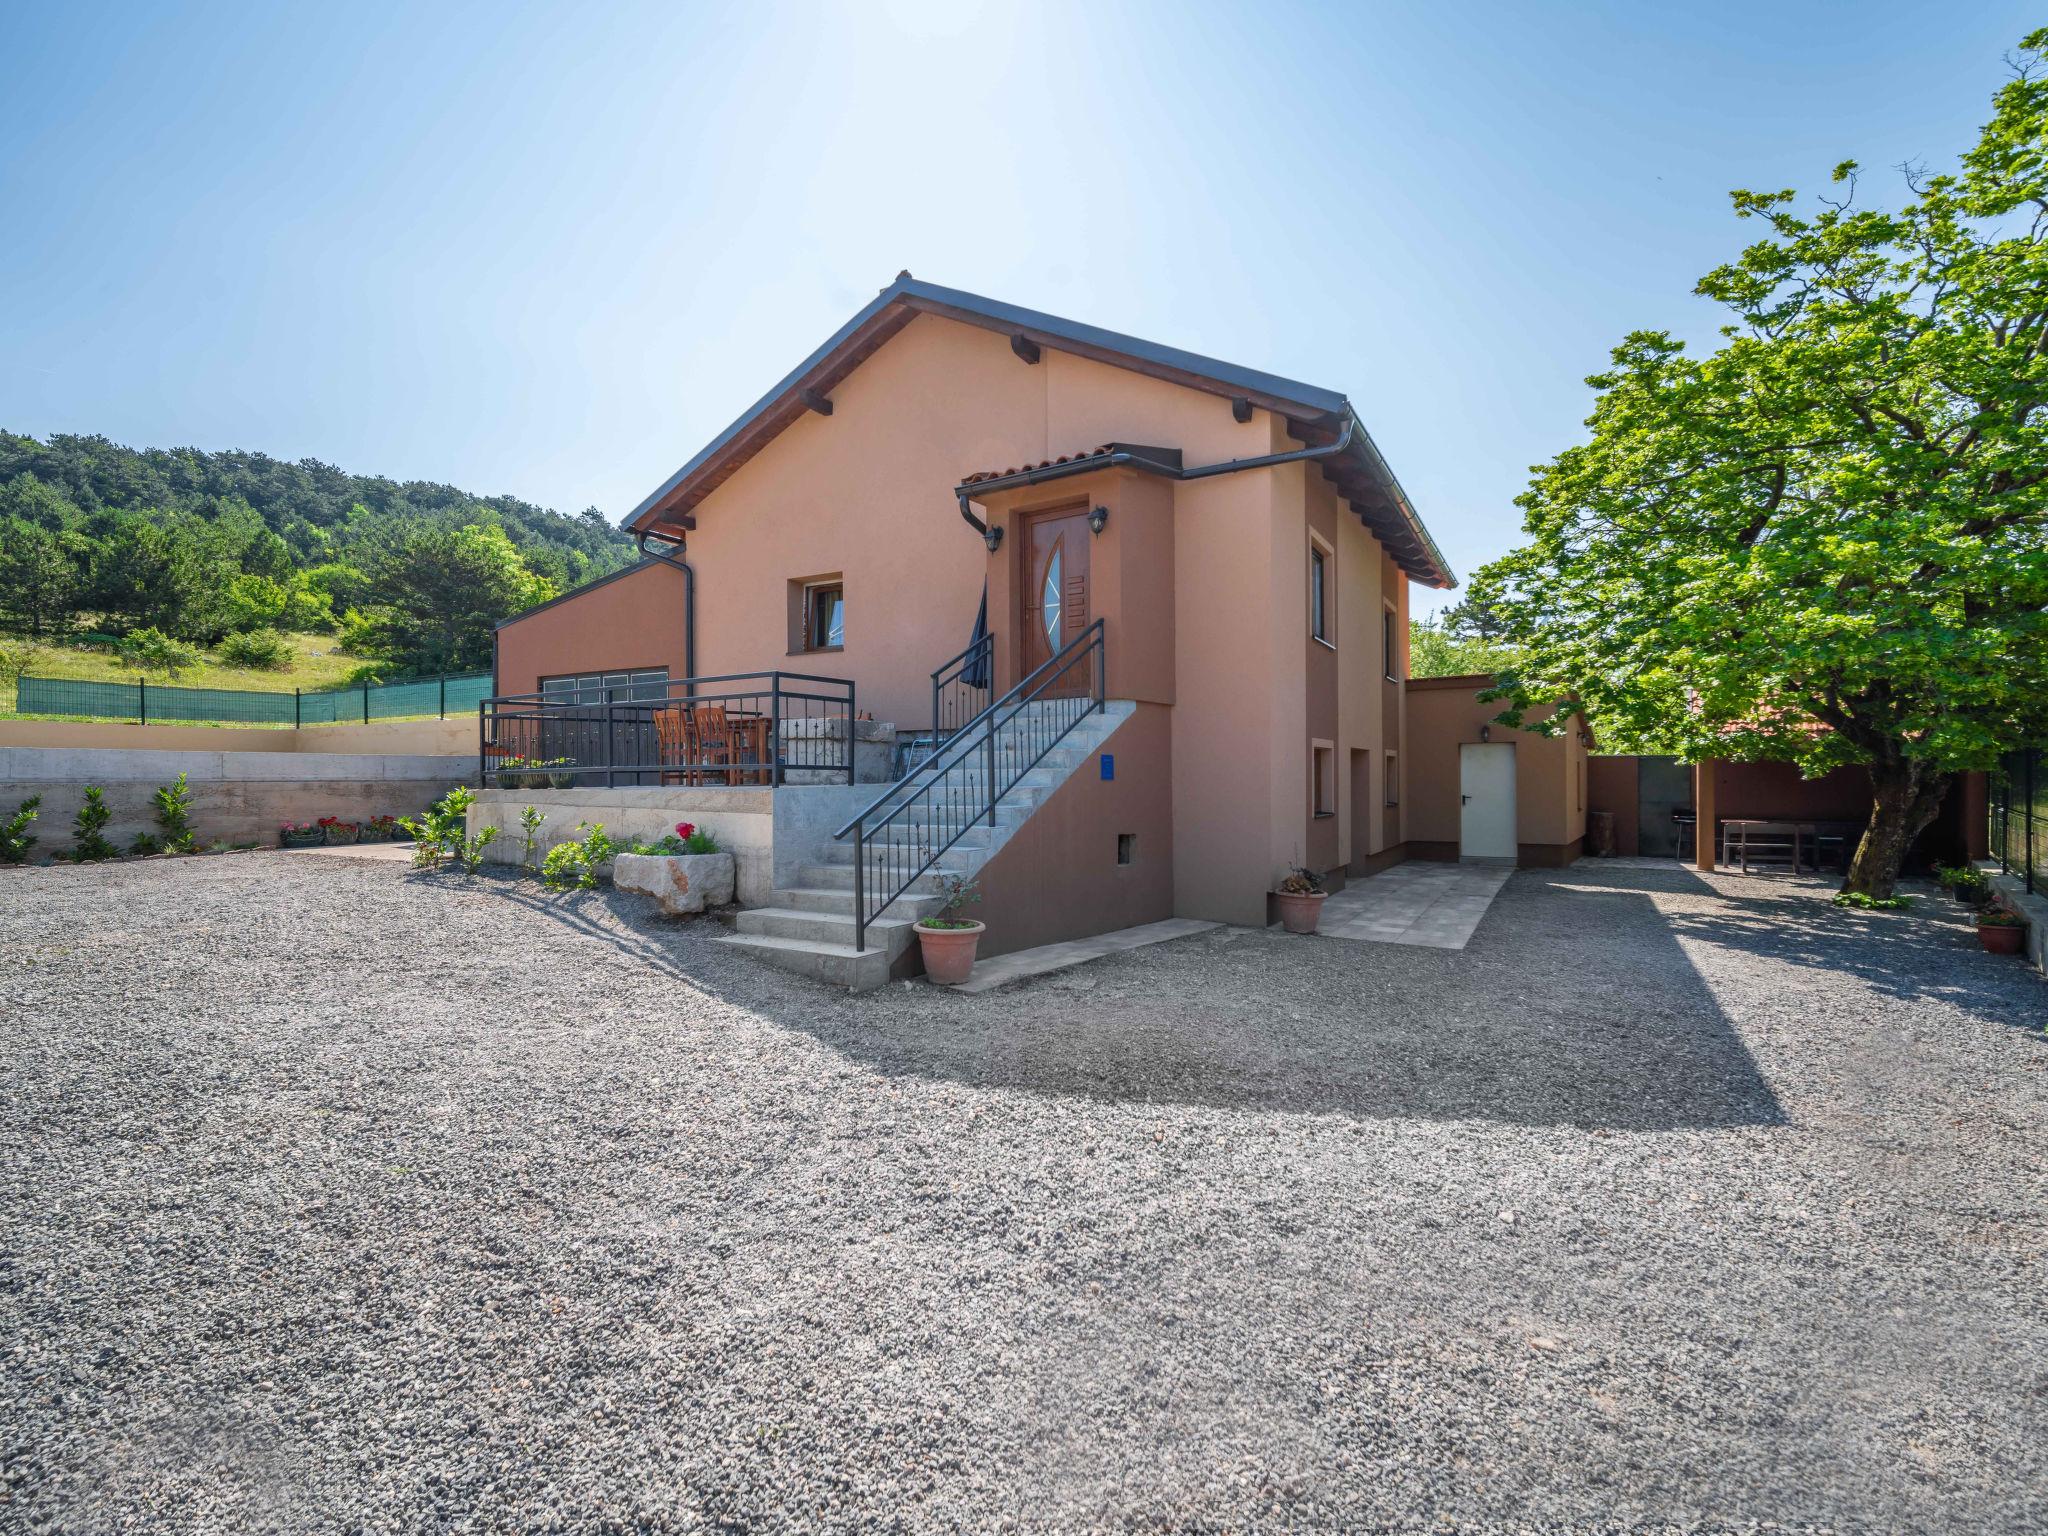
237 797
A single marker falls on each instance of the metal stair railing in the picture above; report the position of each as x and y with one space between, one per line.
912 824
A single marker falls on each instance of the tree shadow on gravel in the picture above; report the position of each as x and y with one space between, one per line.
1571 1006
1927 954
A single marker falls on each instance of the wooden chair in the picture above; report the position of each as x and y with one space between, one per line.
714 744
676 741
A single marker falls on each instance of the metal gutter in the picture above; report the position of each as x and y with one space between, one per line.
689 590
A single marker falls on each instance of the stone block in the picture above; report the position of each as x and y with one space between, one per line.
683 883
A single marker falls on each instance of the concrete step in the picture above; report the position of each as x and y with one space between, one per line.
955 860
837 964
839 902
890 933
839 878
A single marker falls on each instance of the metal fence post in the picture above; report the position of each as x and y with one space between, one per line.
610 726
366 703
298 711
991 732
2033 762
774 731
142 700
444 695
852 731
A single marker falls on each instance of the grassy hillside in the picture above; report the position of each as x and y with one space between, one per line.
315 664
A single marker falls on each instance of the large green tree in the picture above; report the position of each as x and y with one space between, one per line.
437 592
1826 540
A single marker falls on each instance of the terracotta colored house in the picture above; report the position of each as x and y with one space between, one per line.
1165 596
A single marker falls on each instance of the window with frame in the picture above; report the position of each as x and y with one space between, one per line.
825 616
594 687
1387 645
1325 766
1393 794
1318 593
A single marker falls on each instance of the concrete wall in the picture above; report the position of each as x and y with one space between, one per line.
1550 808
741 819
1057 877
405 737
2012 893
1612 787
237 797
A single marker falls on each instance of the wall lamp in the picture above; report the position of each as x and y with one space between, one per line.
993 538
1097 519
1486 733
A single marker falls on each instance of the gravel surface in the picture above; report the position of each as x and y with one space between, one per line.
341 1199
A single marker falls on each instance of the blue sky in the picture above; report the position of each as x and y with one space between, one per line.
552 250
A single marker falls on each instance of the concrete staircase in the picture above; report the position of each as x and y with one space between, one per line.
809 928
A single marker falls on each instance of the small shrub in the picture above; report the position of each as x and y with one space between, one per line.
1971 885
152 650
443 831
471 851
89 826
956 893
15 838
1999 917
143 844
173 816
265 649
1856 901
577 863
529 823
1301 882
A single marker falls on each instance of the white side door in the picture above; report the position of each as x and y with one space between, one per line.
1486 787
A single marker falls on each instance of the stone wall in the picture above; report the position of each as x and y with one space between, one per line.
2011 891
237 797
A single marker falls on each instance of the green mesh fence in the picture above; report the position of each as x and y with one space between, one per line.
2019 816
154 702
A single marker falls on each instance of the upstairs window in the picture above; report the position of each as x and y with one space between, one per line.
1387 645
1318 594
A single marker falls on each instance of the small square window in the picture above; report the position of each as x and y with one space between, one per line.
824 618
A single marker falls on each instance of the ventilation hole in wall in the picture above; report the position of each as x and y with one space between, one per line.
1126 847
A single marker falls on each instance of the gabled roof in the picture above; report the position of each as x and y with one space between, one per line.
1315 415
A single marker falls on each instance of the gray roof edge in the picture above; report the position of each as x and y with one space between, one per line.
1053 327
1386 472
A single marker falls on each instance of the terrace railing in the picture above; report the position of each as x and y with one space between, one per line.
746 728
960 688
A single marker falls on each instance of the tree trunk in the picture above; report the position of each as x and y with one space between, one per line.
1905 796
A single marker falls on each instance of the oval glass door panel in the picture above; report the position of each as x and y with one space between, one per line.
1051 601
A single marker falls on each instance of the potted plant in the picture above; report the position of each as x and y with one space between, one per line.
561 773
1301 897
2001 932
336 832
300 834
947 939
1971 887
685 870
379 829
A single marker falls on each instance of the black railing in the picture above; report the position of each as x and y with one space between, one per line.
747 728
2019 816
956 695
906 831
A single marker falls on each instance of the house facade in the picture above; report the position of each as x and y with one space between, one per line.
1228 546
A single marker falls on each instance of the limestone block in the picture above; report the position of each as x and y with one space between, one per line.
682 883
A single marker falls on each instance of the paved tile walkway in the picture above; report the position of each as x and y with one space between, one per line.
1015 966
1436 905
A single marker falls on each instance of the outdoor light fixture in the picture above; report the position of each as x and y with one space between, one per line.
993 538
1486 733
1097 518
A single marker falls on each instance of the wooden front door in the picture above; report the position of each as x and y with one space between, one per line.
1055 595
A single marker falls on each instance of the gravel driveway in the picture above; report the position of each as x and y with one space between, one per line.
341 1199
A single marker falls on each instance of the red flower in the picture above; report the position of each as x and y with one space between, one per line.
686 830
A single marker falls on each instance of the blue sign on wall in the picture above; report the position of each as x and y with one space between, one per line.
1108 765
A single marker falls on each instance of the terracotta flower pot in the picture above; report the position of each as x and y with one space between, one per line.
1300 911
949 952
2001 938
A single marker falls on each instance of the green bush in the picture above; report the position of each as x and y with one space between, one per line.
1857 901
154 651
15 839
443 833
577 863
173 816
89 826
264 648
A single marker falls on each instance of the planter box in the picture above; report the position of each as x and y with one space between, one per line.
682 882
